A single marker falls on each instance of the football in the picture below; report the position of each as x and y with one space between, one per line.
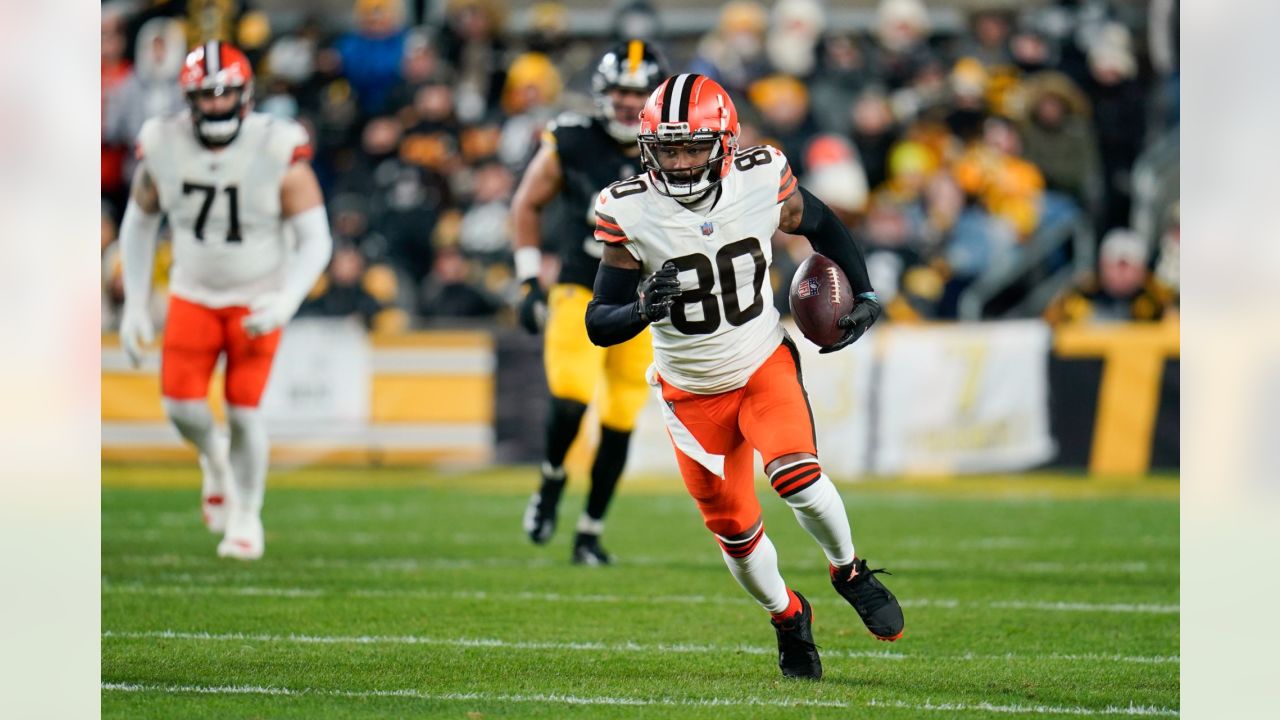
820 295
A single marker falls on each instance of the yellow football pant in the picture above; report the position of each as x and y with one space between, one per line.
575 367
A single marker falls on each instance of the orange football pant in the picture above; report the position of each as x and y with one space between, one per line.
194 336
769 414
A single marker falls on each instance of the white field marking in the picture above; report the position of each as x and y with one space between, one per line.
555 698
615 647
1085 607
409 564
1142 710
945 603
1128 568
1020 543
482 643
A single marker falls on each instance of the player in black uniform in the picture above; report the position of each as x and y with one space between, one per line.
579 156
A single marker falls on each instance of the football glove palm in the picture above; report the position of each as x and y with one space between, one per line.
866 310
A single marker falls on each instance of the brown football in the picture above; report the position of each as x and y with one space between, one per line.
820 295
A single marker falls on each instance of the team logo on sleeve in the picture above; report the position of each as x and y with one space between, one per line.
808 288
707 228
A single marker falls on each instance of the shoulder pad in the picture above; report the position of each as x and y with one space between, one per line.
287 140
149 132
569 119
616 208
748 159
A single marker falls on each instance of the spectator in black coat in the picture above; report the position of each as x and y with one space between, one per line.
450 292
340 293
1119 112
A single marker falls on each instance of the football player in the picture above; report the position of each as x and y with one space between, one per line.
229 180
687 253
578 156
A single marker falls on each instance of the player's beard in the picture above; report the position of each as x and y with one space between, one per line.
220 130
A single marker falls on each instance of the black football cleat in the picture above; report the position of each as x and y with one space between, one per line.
588 551
797 655
540 514
877 607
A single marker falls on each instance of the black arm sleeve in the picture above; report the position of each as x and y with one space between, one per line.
830 237
613 315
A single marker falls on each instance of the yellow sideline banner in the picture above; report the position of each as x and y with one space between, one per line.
957 399
336 395
1133 358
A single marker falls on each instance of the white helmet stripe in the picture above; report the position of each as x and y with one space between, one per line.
673 108
212 58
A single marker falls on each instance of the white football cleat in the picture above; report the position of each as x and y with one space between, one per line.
216 473
244 538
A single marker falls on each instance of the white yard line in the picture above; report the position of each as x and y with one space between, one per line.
1159 609
945 603
558 699
596 646
552 698
410 564
1140 710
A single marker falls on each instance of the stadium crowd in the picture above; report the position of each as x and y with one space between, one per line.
950 153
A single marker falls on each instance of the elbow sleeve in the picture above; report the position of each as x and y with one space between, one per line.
830 237
613 315
138 231
315 247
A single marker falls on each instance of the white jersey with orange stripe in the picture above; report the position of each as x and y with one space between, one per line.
223 204
724 325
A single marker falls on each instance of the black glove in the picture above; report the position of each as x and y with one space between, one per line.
533 307
657 292
866 309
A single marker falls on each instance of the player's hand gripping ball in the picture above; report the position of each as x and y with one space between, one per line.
825 308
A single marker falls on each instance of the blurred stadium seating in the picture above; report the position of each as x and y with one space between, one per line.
980 148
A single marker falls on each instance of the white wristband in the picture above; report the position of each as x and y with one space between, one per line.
528 263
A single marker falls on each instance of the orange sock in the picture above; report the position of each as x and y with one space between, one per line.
793 607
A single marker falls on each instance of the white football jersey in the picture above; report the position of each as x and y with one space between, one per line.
724 325
223 205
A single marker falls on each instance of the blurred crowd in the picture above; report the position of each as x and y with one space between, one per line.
959 155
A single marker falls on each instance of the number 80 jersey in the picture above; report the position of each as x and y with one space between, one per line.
223 205
723 326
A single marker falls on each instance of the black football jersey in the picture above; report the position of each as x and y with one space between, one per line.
590 160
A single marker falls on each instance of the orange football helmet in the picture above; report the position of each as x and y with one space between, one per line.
216 68
689 108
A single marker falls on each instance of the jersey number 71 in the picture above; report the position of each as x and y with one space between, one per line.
233 224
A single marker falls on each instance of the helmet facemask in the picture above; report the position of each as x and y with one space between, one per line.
218 129
634 66
687 184
622 132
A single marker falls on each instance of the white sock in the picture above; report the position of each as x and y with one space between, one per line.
589 525
757 571
817 505
194 422
250 454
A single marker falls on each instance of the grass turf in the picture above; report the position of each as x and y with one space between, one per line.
403 593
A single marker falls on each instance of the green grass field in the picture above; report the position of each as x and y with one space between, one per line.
403 593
